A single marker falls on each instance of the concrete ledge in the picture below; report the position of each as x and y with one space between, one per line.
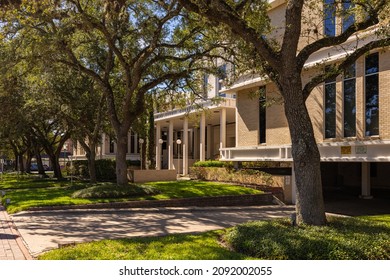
228 200
142 176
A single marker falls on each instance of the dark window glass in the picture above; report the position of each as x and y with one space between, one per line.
330 110
372 94
372 63
329 18
348 18
221 76
372 105
350 108
262 115
205 84
112 145
132 142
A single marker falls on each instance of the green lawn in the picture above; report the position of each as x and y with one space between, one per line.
343 238
25 192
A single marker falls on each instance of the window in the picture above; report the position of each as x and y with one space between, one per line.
262 115
205 84
221 76
348 16
112 145
132 142
349 89
330 108
372 94
329 18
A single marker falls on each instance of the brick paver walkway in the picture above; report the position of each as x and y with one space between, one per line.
11 245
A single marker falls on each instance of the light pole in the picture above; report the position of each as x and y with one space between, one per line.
160 142
141 141
178 142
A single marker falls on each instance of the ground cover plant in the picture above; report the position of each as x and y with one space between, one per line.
26 192
366 238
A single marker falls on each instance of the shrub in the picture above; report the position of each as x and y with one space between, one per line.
209 163
105 168
343 238
107 190
244 176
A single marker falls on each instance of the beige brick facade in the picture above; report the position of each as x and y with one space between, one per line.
277 128
247 118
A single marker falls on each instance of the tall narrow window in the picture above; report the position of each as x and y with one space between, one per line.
348 16
132 142
112 145
221 78
329 18
372 94
205 85
349 88
262 115
330 108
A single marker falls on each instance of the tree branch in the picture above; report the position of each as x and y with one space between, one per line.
343 66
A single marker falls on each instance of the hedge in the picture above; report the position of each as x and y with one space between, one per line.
105 168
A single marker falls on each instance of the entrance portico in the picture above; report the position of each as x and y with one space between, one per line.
201 133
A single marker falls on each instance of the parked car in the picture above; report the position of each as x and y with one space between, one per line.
34 167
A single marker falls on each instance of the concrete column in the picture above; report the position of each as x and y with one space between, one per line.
185 147
366 181
209 142
158 146
293 186
202 144
222 129
170 146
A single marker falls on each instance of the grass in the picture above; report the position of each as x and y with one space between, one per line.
27 192
344 238
173 247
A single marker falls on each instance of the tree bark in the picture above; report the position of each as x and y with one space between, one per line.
310 204
41 169
91 155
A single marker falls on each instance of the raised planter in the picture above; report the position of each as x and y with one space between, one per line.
142 176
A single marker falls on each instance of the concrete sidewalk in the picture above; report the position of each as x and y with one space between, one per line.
46 230
11 244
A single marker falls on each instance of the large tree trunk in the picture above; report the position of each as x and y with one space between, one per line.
306 156
56 166
150 141
91 155
21 163
121 165
41 169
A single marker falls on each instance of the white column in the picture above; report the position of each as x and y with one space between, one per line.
128 142
170 145
202 155
135 143
103 149
209 143
158 146
185 147
366 181
222 128
293 186
196 143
